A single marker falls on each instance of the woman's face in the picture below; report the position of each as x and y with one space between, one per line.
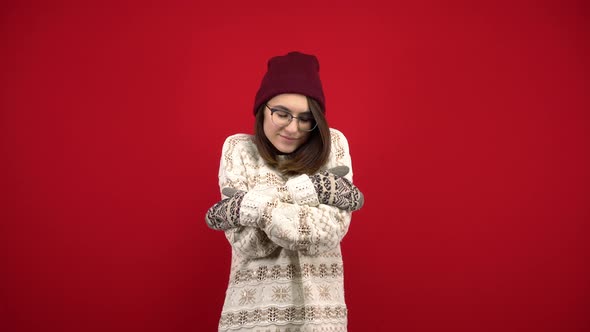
287 138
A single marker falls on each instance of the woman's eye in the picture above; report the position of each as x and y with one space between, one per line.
282 114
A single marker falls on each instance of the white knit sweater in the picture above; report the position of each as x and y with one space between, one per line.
286 273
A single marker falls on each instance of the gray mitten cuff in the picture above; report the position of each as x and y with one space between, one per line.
302 190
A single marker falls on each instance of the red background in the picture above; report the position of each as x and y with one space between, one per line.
468 126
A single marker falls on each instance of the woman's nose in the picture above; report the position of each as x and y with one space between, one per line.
292 126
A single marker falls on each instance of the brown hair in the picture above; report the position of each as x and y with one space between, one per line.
309 157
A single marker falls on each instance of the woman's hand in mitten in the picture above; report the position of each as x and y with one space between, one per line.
336 190
241 208
225 214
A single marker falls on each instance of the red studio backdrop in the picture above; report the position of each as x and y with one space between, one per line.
467 122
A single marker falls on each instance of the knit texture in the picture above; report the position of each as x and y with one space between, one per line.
294 72
286 271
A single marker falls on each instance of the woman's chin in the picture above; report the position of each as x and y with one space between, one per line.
285 150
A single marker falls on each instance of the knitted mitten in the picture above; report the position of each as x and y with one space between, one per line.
327 187
336 190
241 208
225 214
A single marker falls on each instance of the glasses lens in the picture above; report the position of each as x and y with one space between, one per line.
281 118
306 123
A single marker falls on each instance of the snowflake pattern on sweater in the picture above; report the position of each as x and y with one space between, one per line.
286 273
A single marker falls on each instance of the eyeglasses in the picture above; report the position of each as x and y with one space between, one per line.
283 118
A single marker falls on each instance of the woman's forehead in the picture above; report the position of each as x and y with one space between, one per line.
293 101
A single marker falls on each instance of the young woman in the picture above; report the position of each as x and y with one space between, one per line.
287 200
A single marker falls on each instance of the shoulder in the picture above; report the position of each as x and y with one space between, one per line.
337 135
241 145
339 141
238 141
339 152
336 132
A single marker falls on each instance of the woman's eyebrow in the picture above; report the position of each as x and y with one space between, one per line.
281 106
289 110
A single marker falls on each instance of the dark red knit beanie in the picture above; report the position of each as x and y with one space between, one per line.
292 73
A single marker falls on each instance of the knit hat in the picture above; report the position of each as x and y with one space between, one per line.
292 73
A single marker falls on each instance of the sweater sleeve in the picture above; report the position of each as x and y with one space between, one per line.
248 242
310 230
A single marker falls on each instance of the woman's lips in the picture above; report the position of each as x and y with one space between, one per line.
289 138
